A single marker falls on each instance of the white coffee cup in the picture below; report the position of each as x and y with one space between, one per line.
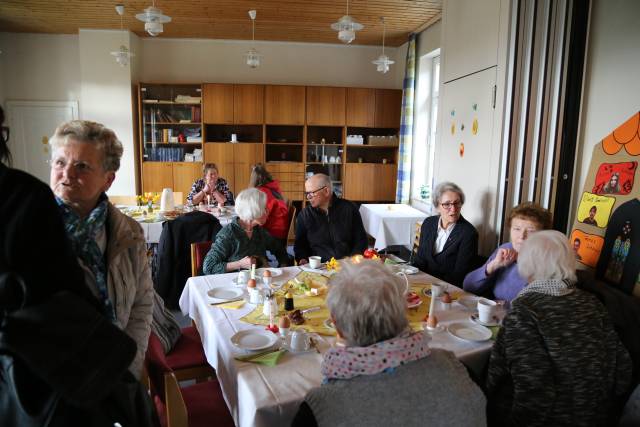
299 340
436 290
243 277
234 137
315 261
486 310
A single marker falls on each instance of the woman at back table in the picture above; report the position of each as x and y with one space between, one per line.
277 223
498 277
448 242
210 189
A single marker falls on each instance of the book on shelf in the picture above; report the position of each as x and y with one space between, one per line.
188 99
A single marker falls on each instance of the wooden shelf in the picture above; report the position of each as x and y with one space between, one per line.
173 124
322 163
173 143
324 145
192 104
285 143
371 146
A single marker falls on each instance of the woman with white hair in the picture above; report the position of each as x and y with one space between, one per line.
385 374
557 359
110 246
239 242
448 242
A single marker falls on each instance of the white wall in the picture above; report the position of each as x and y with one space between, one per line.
430 39
222 61
612 88
39 67
106 96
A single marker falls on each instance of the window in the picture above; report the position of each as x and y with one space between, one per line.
426 119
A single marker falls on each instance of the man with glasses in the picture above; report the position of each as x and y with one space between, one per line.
448 242
329 226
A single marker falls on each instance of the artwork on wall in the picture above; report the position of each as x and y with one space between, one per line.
615 178
606 231
595 210
587 247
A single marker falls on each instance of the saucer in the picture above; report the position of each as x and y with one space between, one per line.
474 318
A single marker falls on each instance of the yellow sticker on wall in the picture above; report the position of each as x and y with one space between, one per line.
474 127
453 128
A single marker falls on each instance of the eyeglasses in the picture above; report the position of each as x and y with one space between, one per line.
449 205
60 164
312 194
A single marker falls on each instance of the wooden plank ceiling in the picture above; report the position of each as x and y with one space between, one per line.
277 20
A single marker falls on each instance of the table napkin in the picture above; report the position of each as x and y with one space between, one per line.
232 305
268 359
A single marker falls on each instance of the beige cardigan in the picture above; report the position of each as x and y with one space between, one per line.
129 280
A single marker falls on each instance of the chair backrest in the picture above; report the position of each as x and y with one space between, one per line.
177 415
199 251
124 200
156 366
291 235
416 240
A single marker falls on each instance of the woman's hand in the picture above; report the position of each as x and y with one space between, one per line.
504 258
245 262
219 197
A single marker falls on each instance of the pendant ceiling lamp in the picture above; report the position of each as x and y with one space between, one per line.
346 27
153 20
122 54
253 56
383 60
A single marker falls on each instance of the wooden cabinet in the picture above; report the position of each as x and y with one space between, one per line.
370 108
218 103
326 106
248 104
361 107
291 178
388 108
370 181
156 176
234 162
184 175
284 105
178 176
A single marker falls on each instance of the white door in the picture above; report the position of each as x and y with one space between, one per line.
467 153
31 124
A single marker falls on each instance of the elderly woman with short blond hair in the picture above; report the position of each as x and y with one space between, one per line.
557 359
110 246
244 239
386 374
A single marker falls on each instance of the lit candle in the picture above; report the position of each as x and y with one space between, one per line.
253 271
208 200
432 305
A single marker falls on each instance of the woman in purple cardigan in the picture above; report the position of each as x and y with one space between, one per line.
499 275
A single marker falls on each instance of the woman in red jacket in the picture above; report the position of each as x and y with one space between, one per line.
277 211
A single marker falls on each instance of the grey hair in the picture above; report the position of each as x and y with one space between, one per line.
324 181
367 302
87 132
251 204
546 255
442 188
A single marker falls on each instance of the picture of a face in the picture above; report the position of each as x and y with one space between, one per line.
592 212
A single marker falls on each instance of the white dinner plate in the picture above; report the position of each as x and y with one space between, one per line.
406 269
275 272
225 293
322 269
476 319
254 339
469 332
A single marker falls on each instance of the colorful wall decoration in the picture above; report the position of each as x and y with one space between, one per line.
606 230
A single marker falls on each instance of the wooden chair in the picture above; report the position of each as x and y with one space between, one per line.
201 404
416 241
199 250
124 200
291 235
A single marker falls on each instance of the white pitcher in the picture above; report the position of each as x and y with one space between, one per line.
166 200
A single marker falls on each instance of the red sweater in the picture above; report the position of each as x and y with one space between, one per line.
277 212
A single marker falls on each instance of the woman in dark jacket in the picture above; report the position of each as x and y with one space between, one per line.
448 242
557 360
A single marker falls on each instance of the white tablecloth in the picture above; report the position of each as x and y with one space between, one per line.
153 230
391 224
258 395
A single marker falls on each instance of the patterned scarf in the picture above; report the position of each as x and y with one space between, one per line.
384 356
553 287
82 233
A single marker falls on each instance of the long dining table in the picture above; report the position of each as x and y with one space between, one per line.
259 395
